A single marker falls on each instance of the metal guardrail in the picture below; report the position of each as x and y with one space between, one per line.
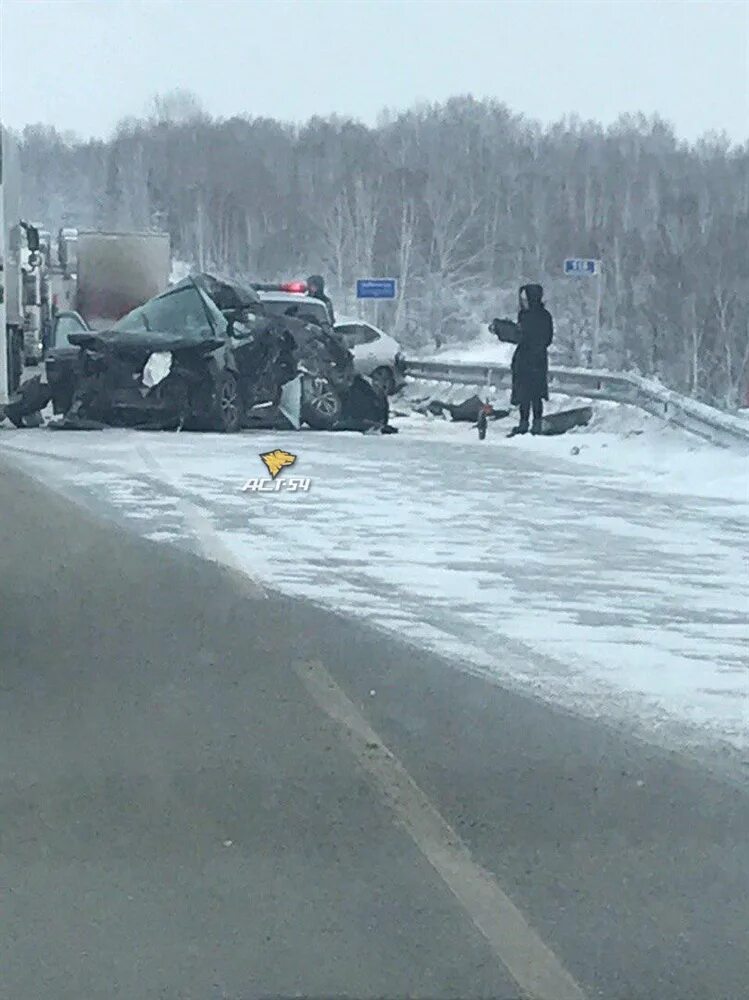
698 418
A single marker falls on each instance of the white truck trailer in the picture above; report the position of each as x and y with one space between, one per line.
11 277
116 272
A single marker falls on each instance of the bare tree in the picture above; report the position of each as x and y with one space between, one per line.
460 201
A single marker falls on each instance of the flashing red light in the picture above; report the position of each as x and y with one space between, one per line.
294 286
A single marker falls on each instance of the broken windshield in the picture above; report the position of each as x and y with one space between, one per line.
182 311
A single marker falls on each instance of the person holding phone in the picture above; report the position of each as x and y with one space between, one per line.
530 362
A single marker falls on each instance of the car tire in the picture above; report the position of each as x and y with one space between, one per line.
382 381
227 404
321 405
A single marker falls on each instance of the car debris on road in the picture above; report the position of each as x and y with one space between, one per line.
479 413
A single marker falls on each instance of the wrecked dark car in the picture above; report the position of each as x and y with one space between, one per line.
205 356
169 363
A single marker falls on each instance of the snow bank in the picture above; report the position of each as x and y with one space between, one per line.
484 350
620 438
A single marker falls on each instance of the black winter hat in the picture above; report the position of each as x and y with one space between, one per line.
534 294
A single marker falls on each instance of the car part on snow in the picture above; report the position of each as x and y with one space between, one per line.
470 409
466 412
560 423
432 408
291 402
482 423
553 424
27 402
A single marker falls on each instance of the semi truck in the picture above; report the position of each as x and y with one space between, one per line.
12 239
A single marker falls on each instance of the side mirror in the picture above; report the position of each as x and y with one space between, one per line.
32 238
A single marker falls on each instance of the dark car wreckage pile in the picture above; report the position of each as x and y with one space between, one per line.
204 356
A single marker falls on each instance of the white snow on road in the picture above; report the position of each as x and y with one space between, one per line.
614 582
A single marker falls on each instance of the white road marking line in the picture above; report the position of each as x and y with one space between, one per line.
531 963
210 544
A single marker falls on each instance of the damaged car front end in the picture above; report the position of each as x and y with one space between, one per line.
168 364
204 355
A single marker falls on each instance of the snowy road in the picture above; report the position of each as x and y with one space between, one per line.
595 589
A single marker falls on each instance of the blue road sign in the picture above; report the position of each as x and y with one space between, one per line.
376 288
579 265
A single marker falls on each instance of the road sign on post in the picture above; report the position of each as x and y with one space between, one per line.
376 288
583 267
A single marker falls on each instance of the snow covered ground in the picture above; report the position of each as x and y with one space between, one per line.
620 438
613 581
484 350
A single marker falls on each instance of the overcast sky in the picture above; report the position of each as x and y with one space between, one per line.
85 64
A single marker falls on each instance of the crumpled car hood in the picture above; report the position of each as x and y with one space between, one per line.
143 341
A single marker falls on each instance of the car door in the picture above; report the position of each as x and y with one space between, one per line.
370 348
60 361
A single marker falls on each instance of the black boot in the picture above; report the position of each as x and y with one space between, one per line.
522 428
538 427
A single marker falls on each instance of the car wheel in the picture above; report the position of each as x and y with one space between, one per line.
382 381
228 405
321 404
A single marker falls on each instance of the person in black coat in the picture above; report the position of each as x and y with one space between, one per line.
530 362
316 290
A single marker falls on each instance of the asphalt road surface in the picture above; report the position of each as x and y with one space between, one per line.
207 793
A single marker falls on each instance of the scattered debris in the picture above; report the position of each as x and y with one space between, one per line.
466 412
25 406
565 420
469 410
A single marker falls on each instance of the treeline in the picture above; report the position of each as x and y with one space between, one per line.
462 202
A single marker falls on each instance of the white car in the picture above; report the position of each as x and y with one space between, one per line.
377 355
